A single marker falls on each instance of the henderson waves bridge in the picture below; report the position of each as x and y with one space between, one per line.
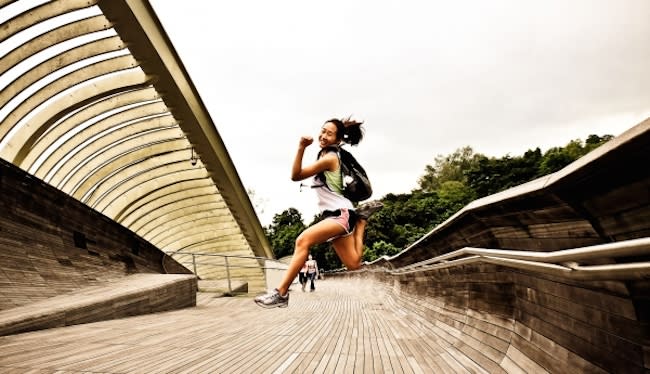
120 209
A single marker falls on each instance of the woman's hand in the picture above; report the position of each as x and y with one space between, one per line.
327 162
297 173
305 141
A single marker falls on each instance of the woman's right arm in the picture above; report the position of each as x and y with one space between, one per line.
299 173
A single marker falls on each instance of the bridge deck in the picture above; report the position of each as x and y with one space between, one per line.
343 327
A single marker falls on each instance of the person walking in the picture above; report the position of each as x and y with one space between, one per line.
343 225
302 276
312 272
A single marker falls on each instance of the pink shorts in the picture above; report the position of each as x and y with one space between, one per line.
344 217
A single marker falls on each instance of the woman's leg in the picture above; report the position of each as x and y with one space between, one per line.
358 233
318 233
350 248
364 211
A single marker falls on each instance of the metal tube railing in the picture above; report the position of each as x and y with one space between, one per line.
197 260
562 263
227 274
633 247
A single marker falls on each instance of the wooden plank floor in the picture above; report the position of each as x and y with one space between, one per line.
343 327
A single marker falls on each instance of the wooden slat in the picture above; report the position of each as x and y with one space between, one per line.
345 327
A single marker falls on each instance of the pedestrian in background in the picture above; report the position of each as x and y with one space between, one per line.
302 276
312 272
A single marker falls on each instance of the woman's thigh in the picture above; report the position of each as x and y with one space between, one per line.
320 232
344 247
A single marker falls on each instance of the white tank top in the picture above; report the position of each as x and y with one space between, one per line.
331 198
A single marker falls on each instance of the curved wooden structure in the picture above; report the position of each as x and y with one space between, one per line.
95 101
123 168
552 275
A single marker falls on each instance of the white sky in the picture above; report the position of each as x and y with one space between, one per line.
427 77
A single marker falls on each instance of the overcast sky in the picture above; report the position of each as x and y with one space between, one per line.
427 77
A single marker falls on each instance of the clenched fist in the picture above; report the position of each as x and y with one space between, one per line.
305 141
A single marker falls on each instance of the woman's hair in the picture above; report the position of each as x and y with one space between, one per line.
348 130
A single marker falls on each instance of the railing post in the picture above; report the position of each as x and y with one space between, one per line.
228 275
194 263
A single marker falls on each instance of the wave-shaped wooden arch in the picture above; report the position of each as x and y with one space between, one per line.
95 101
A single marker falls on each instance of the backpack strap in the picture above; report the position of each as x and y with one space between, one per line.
321 176
338 154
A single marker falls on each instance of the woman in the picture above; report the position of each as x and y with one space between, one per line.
302 276
312 273
343 225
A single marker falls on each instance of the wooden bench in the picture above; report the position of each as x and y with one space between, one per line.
133 295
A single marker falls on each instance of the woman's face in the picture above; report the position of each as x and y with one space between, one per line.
327 135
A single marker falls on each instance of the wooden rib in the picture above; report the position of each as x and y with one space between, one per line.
41 13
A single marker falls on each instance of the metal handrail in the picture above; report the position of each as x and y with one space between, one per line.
562 263
234 256
226 263
220 255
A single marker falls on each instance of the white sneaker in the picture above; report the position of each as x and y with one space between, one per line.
273 299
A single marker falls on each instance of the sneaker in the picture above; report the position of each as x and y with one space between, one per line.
364 211
260 296
303 288
273 299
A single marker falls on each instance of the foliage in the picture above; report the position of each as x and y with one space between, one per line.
378 249
283 231
447 168
491 175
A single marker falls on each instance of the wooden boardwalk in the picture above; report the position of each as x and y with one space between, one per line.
343 327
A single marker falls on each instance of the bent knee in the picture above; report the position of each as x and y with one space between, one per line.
302 242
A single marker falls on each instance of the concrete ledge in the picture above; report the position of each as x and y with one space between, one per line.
134 295
220 287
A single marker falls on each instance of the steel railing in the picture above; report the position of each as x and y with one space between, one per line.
204 262
564 263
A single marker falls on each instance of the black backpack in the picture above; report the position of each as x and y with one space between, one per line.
356 185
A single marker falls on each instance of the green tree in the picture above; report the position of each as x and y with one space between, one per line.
447 168
595 141
557 158
283 231
453 196
491 175
404 218
380 248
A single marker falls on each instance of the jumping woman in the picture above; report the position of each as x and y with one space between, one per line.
343 224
